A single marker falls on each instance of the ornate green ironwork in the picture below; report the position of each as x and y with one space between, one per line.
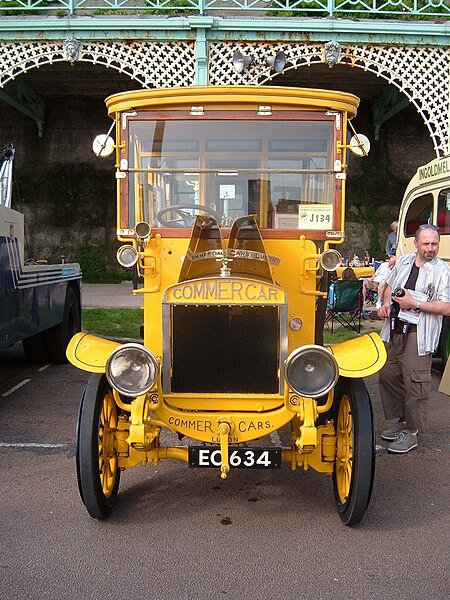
402 9
28 102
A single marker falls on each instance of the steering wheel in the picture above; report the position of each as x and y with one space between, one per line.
187 218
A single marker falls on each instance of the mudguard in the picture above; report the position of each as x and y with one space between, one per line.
360 357
89 352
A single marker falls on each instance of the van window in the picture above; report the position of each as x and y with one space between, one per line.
419 211
443 211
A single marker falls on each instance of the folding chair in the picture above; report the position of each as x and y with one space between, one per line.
345 306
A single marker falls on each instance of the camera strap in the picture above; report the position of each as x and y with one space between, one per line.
397 326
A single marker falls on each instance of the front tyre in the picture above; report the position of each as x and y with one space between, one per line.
97 465
355 449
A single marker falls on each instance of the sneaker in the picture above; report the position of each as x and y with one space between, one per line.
390 435
404 443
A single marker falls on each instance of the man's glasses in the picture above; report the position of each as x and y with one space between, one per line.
428 226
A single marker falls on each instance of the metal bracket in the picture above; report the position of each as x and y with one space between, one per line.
27 102
387 106
307 412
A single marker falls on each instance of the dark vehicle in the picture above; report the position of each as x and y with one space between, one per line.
40 304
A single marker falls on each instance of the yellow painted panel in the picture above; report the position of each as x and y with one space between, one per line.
359 271
361 356
226 96
89 352
204 426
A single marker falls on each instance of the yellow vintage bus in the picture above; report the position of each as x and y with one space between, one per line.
230 201
427 200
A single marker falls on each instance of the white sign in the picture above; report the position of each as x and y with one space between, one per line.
227 191
315 216
284 221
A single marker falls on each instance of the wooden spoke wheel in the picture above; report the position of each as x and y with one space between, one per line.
355 450
97 465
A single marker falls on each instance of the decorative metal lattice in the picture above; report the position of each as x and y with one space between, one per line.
151 64
422 74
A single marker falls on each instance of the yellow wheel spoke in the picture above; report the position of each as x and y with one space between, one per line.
107 462
344 455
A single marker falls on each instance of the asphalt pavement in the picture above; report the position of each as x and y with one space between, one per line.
257 535
110 295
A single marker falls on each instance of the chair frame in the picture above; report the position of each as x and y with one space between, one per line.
346 314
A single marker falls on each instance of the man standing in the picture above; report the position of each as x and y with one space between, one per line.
377 282
391 242
420 282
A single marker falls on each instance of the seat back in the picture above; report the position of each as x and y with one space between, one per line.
347 295
345 306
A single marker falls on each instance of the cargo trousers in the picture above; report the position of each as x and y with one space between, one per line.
404 381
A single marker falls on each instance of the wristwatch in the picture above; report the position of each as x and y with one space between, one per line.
418 305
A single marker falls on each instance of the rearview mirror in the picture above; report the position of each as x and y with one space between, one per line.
359 144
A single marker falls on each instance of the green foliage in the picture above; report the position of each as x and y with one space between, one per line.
23 10
112 322
392 11
94 266
174 8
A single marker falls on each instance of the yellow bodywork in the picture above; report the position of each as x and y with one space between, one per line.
89 352
227 419
359 357
291 283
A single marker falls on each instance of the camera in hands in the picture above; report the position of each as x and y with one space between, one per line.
398 292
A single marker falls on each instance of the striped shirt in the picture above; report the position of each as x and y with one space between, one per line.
434 281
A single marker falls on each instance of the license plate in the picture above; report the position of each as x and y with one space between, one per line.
239 458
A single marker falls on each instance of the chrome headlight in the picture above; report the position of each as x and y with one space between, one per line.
330 260
311 371
127 256
132 370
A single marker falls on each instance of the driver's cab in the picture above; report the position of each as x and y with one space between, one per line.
227 152
232 152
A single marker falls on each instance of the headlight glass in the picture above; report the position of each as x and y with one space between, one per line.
330 260
132 370
311 371
127 256
143 230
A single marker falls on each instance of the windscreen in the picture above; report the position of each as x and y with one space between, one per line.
281 171
245 256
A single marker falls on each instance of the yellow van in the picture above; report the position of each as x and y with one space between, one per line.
230 201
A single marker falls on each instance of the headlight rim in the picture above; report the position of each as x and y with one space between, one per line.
302 350
113 381
331 251
122 250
